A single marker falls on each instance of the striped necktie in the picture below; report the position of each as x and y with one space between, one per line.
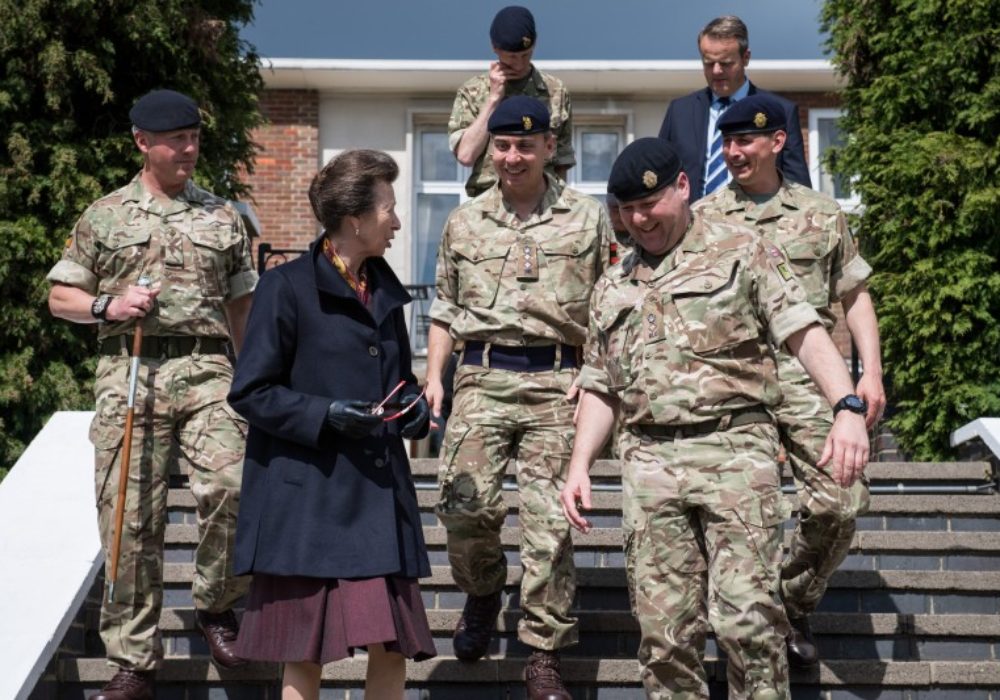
716 174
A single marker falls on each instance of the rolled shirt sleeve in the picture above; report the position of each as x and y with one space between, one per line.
780 299
849 269
76 267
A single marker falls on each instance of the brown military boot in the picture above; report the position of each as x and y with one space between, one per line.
542 679
220 630
476 626
802 651
127 685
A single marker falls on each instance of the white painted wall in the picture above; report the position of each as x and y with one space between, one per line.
357 121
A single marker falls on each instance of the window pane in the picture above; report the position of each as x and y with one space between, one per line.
432 210
829 135
437 162
598 153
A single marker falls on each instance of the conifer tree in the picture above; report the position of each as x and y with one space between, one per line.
922 145
69 72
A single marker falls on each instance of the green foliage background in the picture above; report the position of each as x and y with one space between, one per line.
69 72
923 128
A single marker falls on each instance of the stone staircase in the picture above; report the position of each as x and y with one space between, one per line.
914 613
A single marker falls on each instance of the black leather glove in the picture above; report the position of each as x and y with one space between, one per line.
352 418
415 421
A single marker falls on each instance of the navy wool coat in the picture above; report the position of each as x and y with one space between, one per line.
314 502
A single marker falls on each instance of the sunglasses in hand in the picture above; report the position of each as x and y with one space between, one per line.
396 409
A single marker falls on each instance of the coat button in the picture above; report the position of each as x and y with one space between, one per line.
379 462
373 351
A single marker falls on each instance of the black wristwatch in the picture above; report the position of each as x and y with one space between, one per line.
99 307
852 403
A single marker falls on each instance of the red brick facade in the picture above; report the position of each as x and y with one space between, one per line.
286 162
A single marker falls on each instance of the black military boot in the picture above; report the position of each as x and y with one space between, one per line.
127 685
802 651
476 627
542 678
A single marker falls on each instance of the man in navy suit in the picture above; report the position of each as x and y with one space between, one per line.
690 121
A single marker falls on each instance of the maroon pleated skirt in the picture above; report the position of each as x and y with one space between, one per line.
299 618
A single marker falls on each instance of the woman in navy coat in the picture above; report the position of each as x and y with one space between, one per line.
328 523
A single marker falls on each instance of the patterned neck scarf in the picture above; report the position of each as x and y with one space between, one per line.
360 283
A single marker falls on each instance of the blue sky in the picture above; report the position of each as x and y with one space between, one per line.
567 29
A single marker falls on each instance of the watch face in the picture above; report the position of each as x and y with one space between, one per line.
854 403
100 306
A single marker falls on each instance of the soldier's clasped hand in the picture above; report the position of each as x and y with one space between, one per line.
135 303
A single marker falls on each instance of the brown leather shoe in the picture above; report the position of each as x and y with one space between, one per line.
542 679
475 628
220 630
127 685
802 651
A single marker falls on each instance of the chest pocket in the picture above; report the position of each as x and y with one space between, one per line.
480 264
571 265
715 313
214 250
811 260
122 258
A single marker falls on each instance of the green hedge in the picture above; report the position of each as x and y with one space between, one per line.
71 69
923 144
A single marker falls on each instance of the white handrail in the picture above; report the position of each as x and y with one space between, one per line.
986 429
50 549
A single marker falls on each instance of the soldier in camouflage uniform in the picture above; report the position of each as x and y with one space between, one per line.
515 271
678 344
513 36
193 248
812 230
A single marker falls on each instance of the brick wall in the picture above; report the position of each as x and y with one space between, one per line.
807 101
286 162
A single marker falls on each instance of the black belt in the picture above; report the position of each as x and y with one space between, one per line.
540 358
741 416
165 346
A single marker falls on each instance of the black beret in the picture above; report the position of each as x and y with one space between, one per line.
519 115
645 166
164 110
756 114
513 29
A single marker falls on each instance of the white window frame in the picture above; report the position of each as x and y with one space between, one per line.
617 121
849 204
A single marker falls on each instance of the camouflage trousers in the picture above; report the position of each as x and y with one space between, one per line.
827 511
500 416
182 422
703 528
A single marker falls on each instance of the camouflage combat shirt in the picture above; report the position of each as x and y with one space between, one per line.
193 246
515 282
686 342
812 229
470 100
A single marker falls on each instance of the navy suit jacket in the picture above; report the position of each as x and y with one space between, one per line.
686 127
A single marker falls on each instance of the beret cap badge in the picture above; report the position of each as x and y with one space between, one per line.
649 179
760 120
526 41
526 120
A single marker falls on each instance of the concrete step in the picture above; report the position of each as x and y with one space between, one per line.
614 577
175 620
983 505
611 538
600 672
876 471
